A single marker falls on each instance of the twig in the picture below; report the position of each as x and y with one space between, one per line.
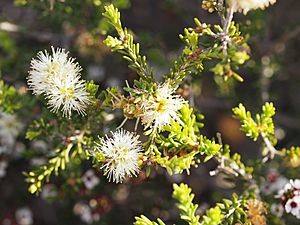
272 150
225 37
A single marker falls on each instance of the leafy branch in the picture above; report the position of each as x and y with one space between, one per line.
183 194
262 126
143 220
58 162
125 45
10 99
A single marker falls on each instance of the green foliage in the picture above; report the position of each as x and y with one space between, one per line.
292 156
84 12
59 160
227 212
230 51
181 135
10 99
143 220
183 142
124 44
187 208
262 125
213 216
177 164
207 147
37 129
233 210
175 147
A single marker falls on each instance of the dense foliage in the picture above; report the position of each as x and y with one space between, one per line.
79 136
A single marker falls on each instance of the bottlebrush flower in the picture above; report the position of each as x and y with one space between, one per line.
68 93
58 77
247 5
161 107
121 153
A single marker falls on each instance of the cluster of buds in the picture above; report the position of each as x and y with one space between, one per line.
211 5
155 110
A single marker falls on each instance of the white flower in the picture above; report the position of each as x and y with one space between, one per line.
293 206
24 216
39 146
295 183
3 166
84 211
58 77
274 182
10 128
68 93
247 5
49 191
287 187
90 180
162 107
37 161
277 209
121 153
87 215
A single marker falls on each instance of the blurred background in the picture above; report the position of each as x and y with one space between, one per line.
83 196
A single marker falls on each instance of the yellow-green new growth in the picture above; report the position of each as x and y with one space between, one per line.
124 44
183 194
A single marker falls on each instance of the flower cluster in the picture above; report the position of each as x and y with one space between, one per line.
121 152
290 197
161 107
156 109
256 212
3 166
24 216
85 213
91 212
58 77
10 128
247 5
274 182
90 180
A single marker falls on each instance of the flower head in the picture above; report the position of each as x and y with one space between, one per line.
90 180
290 197
68 94
161 107
274 182
247 5
58 77
256 212
24 216
277 209
293 206
3 166
10 128
121 153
